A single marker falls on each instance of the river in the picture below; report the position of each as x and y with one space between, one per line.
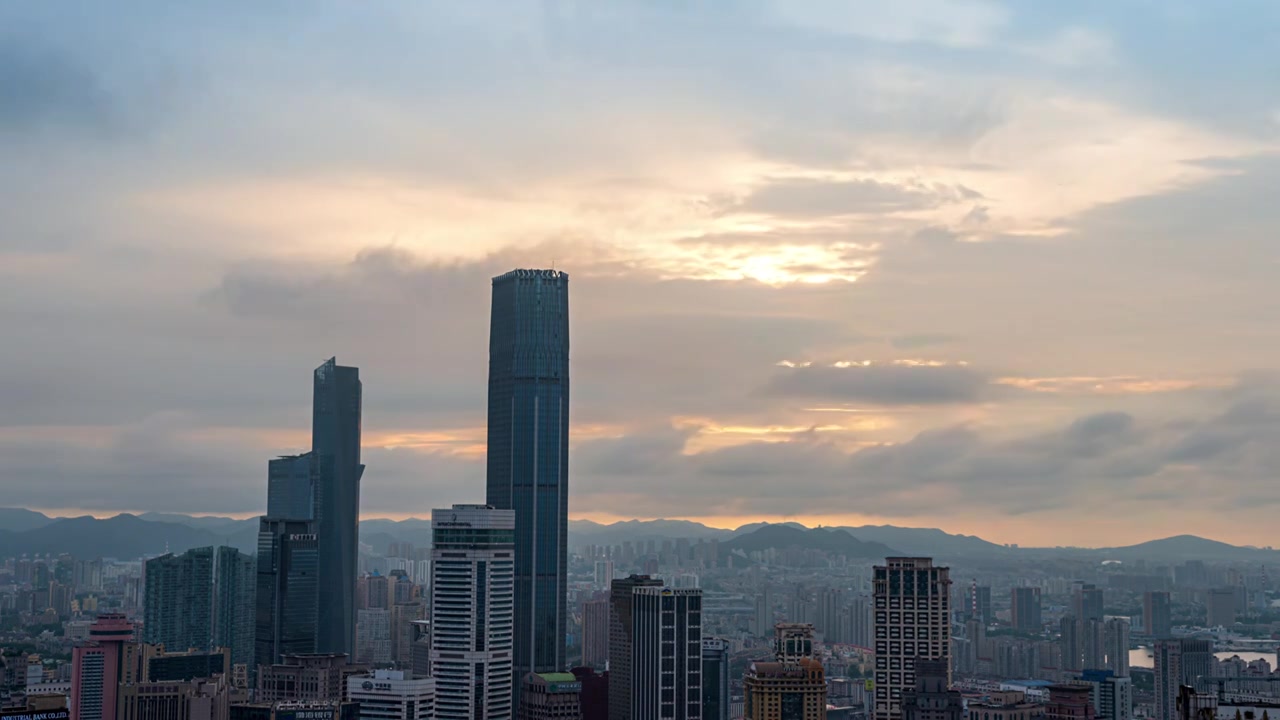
1142 657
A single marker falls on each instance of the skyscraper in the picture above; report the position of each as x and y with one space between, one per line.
621 639
1088 602
664 661
528 452
595 633
715 679
1156 616
335 450
1179 662
287 602
1026 609
201 599
98 668
1118 647
472 580
290 490
913 622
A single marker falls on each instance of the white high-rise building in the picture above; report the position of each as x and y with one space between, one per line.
912 621
604 574
472 611
389 695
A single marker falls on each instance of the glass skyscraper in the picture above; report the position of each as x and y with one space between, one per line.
287 600
335 451
528 456
290 487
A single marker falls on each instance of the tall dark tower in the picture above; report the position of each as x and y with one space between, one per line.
528 455
335 449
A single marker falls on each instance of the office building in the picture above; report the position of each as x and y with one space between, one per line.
776 690
660 653
99 666
335 449
550 696
306 678
287 603
932 697
1026 609
913 622
621 641
1220 608
201 600
1069 702
1156 615
528 453
1117 637
715 679
595 633
594 698
183 666
472 616
390 695
290 488
792 641
199 699
295 711
1112 697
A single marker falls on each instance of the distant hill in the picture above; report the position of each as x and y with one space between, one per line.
784 536
124 537
22 519
1189 547
582 532
928 542
752 527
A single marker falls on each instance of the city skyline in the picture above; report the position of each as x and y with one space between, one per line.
979 265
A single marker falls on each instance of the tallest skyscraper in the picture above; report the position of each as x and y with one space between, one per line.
528 456
336 472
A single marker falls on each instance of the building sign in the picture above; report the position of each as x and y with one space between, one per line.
870 685
35 715
304 714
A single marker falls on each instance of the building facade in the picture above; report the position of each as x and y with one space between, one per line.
1025 604
664 654
472 611
319 677
199 699
913 621
932 697
287 602
785 691
550 696
335 447
1156 614
291 487
390 695
595 633
715 679
99 666
528 453
622 640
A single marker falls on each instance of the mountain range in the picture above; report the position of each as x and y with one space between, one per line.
128 536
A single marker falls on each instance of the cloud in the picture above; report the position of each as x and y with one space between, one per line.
886 384
804 197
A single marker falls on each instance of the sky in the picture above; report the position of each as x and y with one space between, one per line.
1002 268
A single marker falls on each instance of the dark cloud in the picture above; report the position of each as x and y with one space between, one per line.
885 384
39 88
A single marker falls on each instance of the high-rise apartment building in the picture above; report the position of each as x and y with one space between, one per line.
980 604
775 690
661 655
1220 608
913 621
932 697
762 623
373 636
715 679
1112 697
550 696
201 599
1071 643
1026 609
1179 662
99 666
595 633
1088 602
1093 644
472 615
1117 632
290 487
621 641
287 602
1156 615
528 453
335 450
391 695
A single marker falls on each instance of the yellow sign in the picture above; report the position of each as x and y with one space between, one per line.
870 684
